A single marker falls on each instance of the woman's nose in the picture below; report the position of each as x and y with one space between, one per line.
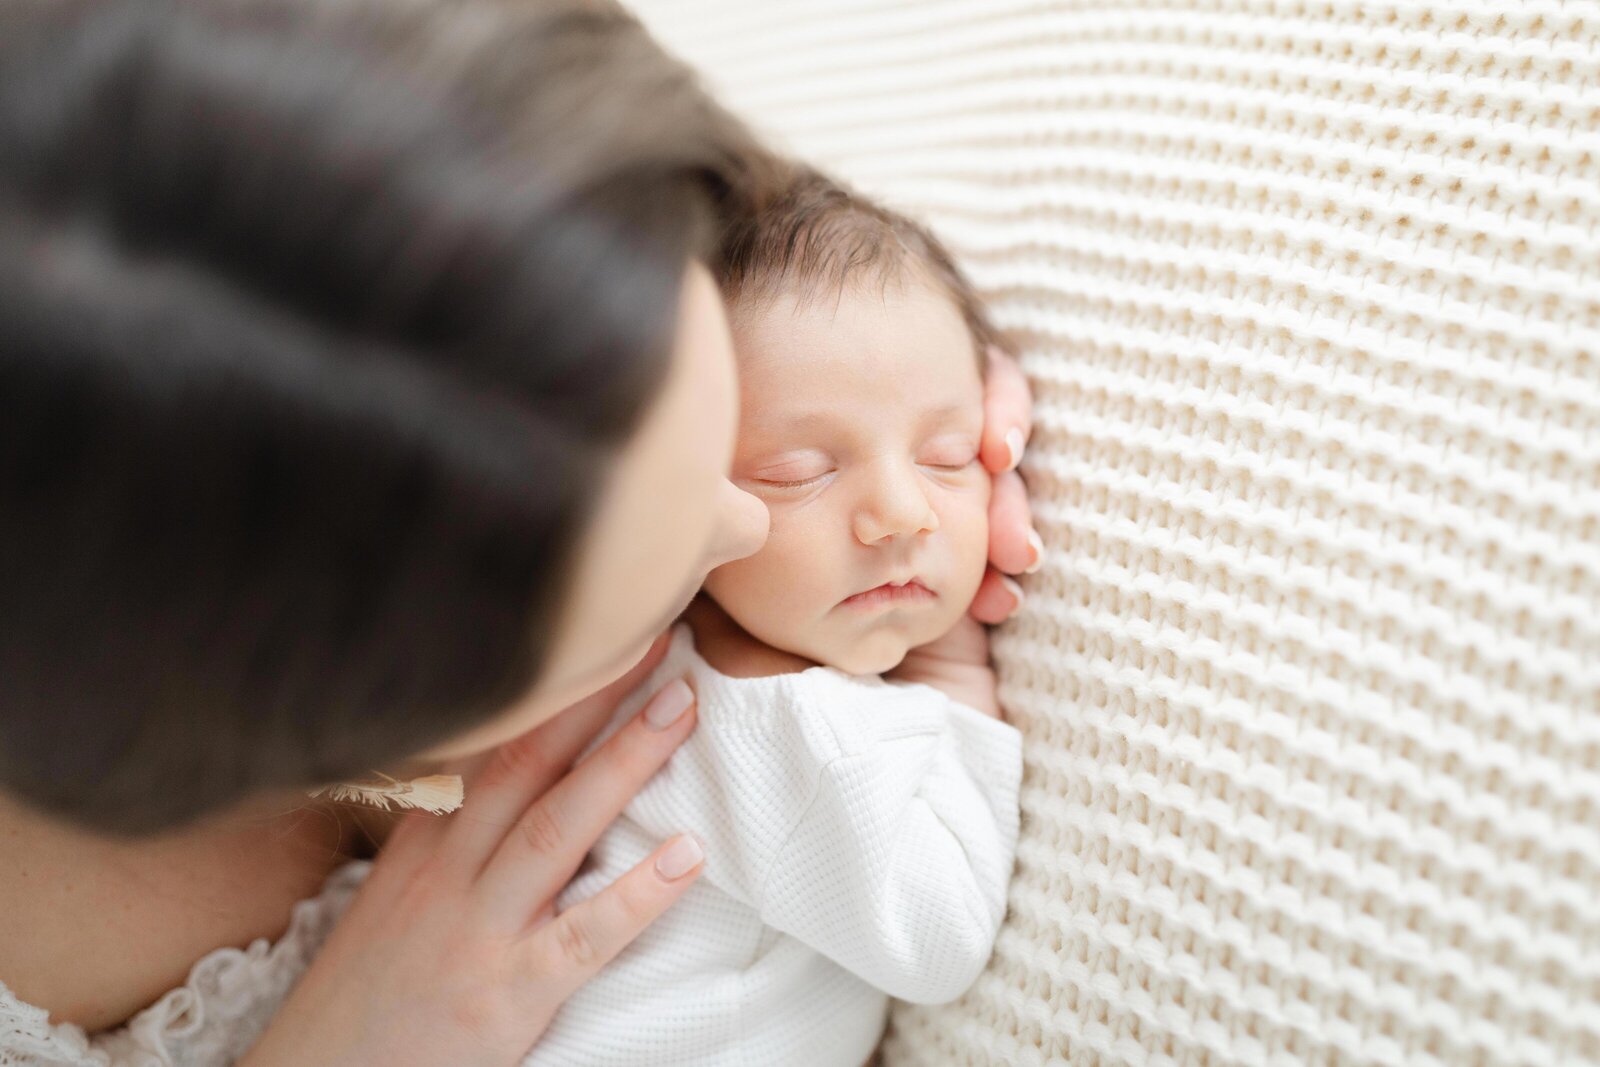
742 525
894 505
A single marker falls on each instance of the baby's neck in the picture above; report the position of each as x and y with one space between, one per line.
726 645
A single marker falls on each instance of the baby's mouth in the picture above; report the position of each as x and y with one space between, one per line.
910 591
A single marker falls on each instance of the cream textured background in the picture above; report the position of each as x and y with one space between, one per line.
1309 294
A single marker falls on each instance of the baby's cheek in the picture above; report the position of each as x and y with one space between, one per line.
967 522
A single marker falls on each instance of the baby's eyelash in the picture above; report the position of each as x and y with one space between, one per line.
807 481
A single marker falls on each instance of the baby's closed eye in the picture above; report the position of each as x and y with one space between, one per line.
949 455
791 475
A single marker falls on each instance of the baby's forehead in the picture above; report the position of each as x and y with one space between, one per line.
794 321
905 365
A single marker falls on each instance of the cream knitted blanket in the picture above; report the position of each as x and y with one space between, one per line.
1309 293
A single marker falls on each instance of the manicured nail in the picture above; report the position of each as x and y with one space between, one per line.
1036 543
679 858
668 706
1014 445
1016 591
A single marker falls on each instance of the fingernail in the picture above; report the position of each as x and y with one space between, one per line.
1036 543
1016 591
668 706
1014 446
679 858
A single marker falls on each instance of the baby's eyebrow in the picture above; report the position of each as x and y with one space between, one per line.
800 422
948 412
805 420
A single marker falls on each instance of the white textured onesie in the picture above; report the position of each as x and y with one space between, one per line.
859 835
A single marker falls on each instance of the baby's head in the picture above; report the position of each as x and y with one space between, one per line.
861 353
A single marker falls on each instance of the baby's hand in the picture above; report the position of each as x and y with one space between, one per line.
956 664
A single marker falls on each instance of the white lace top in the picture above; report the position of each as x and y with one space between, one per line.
209 1021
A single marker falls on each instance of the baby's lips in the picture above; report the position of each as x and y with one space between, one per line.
915 579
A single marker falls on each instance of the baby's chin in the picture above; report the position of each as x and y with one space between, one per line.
853 646
876 650
880 653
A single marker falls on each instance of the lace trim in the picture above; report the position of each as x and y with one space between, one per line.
26 1036
228 988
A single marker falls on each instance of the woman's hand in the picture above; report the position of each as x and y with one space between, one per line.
452 952
957 664
1014 546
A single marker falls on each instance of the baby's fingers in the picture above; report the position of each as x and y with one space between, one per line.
567 951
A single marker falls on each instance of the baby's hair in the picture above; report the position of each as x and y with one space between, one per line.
815 235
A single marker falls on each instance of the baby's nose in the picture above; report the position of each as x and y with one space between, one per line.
894 505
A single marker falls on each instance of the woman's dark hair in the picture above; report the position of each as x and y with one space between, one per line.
320 325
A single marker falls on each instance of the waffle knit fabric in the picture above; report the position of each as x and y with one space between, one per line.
1309 295
859 835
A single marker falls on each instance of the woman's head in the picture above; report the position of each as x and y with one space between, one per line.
339 344
668 515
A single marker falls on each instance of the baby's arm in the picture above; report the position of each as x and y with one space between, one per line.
876 823
898 868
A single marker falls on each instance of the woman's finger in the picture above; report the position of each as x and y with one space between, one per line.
1014 547
999 597
567 951
1007 412
513 774
543 849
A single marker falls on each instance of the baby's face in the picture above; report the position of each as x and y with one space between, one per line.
859 427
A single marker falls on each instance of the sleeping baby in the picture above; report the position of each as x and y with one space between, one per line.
859 833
